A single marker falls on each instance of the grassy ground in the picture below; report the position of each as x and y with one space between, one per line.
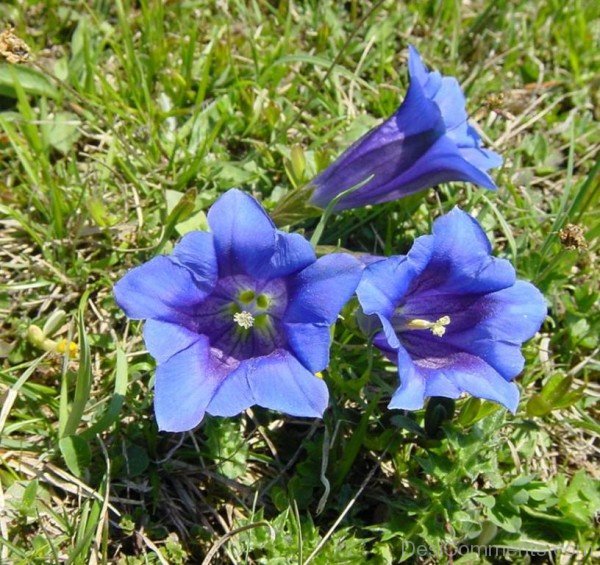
132 117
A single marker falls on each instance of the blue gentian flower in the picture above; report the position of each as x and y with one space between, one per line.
238 316
451 316
426 142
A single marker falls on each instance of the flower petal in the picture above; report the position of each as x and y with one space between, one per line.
163 339
310 344
427 141
507 319
384 153
185 383
160 289
436 384
383 284
410 395
244 234
277 381
318 293
473 375
292 254
483 159
460 260
468 372
196 251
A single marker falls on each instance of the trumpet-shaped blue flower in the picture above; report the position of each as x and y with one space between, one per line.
426 142
452 316
238 316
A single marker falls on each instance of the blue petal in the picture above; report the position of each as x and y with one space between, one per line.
163 340
277 381
467 372
196 251
483 159
448 96
451 102
441 162
471 374
416 69
436 384
388 333
383 284
318 293
410 395
185 383
460 260
234 394
427 141
292 254
244 234
509 317
159 289
310 344
384 153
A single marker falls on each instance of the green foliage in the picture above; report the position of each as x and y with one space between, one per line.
129 121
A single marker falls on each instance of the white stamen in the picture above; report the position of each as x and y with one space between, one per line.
437 328
244 319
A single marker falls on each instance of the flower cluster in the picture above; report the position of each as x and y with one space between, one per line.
242 314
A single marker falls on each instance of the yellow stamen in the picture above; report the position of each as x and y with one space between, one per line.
437 328
319 375
38 338
69 346
244 319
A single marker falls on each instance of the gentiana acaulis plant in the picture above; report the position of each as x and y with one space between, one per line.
451 316
427 141
238 316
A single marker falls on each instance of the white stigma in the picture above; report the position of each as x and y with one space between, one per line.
438 328
244 319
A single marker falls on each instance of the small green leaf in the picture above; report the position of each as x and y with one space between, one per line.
76 453
30 80
137 460
537 406
29 495
62 132
556 388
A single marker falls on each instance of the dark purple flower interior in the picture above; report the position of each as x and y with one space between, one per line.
242 318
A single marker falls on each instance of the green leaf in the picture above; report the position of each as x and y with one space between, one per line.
137 460
76 453
227 445
70 415
537 406
29 495
114 408
62 132
30 80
